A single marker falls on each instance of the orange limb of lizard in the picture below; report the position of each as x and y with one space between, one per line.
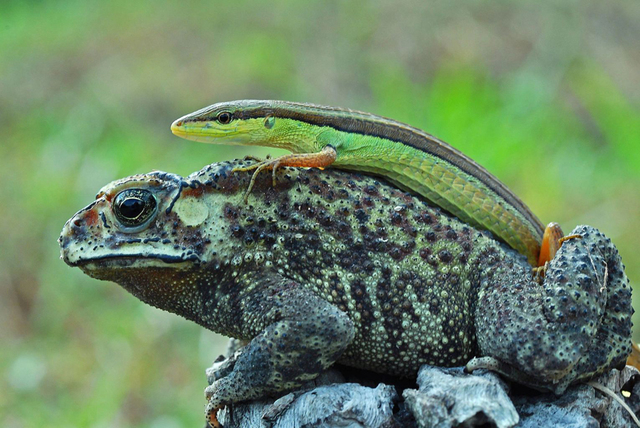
551 242
634 357
212 417
321 159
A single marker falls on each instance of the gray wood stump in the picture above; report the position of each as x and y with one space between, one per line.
441 397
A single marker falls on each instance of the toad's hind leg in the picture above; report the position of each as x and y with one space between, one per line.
573 326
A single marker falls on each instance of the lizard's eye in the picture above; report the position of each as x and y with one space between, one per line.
134 207
224 117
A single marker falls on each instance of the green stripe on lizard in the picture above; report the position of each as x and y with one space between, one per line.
352 140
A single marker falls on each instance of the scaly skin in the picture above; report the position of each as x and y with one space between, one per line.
407 156
333 266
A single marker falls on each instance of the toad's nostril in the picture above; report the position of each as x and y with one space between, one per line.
78 222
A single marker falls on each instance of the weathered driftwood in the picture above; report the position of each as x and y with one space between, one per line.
443 397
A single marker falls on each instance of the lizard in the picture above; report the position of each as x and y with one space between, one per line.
321 136
334 266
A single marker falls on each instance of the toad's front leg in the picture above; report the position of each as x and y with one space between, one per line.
574 325
303 335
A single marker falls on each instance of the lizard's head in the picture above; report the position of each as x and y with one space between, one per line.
237 122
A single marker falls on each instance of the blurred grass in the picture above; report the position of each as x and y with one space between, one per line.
545 94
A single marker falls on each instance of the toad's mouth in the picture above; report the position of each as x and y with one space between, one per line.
133 260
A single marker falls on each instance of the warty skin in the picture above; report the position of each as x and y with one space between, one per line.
333 266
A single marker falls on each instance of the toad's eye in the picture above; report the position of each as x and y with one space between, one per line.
224 117
133 207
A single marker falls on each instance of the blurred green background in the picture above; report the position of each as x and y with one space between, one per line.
546 95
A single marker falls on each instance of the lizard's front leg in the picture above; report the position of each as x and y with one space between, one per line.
304 335
321 159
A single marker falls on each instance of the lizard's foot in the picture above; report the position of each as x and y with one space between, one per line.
539 272
322 159
272 164
255 158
